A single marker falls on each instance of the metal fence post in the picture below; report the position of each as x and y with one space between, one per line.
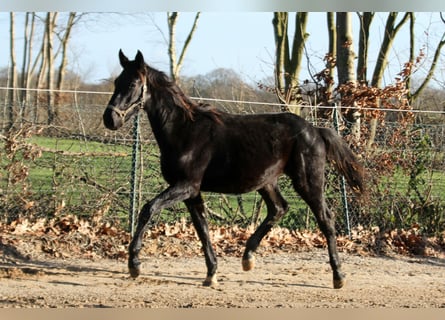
344 198
134 176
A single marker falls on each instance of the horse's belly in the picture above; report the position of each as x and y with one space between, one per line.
237 181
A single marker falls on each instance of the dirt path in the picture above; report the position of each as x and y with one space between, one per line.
300 279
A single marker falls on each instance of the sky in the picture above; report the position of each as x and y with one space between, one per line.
242 41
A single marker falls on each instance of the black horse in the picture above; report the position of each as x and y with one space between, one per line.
204 149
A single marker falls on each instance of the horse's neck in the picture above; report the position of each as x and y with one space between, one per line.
165 121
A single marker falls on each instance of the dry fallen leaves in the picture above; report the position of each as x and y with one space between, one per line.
70 236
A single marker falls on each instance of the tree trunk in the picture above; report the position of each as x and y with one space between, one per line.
299 41
171 21
280 23
29 73
12 78
332 54
64 60
362 64
176 64
411 46
363 46
382 61
28 36
288 63
345 66
24 93
40 79
345 50
51 18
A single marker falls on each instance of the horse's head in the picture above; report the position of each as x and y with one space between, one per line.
130 92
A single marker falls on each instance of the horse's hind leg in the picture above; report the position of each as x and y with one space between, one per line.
326 222
196 208
309 183
276 208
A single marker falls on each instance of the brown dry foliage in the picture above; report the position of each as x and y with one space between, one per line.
70 236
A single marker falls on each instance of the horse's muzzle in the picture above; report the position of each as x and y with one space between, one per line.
112 119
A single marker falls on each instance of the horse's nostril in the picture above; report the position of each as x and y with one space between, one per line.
110 120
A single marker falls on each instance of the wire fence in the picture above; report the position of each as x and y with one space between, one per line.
77 167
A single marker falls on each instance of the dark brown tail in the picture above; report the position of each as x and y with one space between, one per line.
343 159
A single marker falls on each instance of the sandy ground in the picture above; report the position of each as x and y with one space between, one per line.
301 279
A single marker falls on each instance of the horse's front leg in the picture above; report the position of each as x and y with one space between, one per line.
197 212
136 243
165 199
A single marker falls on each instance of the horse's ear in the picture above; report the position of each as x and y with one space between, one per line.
139 60
123 59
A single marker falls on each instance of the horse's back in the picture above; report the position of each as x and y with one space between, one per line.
249 151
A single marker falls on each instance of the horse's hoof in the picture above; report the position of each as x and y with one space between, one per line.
135 269
134 272
210 281
339 283
248 264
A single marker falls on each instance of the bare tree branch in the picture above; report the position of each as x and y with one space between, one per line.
382 58
187 43
431 70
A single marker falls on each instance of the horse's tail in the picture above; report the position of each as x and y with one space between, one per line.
343 159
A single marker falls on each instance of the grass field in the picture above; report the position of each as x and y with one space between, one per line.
68 156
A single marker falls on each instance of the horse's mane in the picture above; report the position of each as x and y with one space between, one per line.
162 84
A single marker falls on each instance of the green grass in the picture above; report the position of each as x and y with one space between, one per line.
66 157
398 183
77 145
